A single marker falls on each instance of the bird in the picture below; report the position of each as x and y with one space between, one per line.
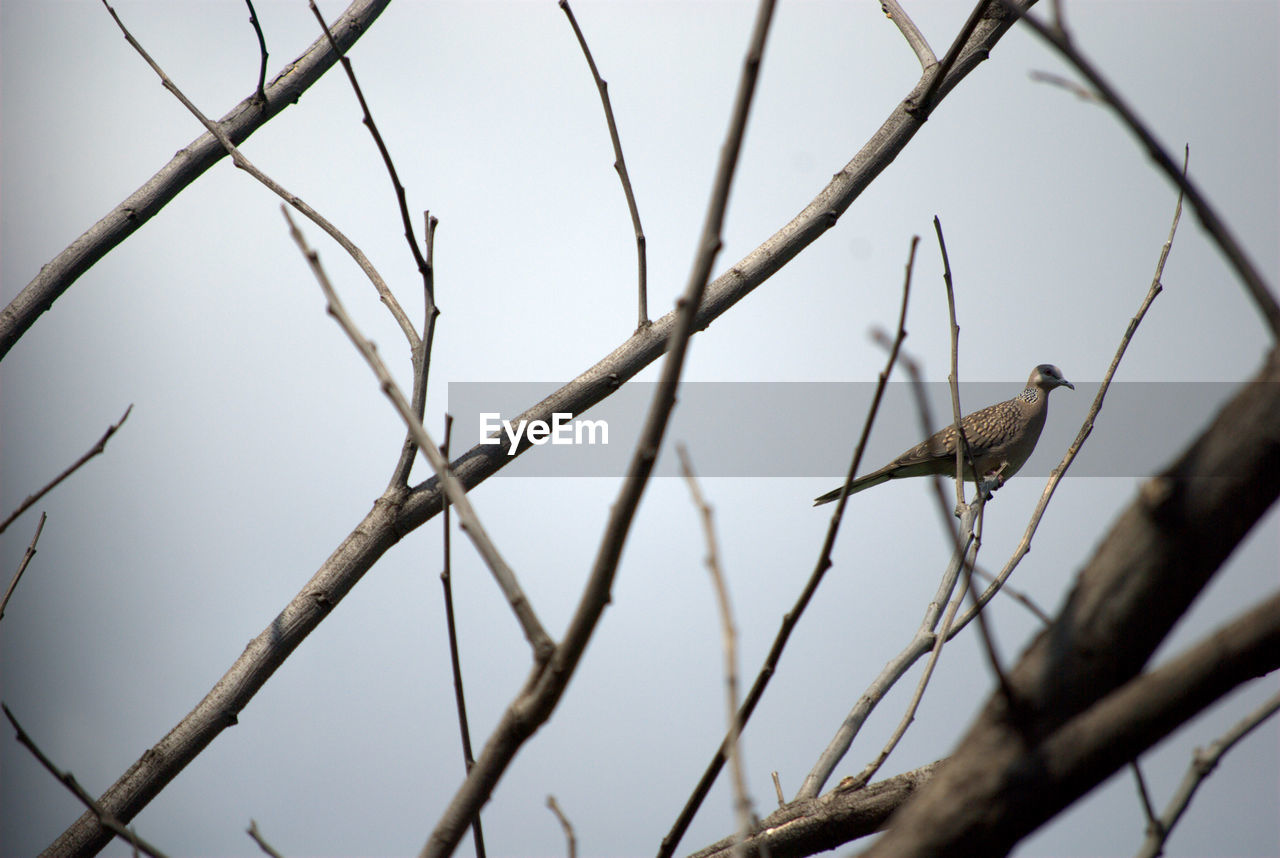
1000 438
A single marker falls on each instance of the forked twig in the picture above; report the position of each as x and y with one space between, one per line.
538 638
1203 763
243 163
619 164
93 451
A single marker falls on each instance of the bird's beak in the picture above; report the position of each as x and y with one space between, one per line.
1066 383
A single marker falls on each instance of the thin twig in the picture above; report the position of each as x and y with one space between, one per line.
468 520
1255 284
969 514
69 781
1056 475
925 103
777 788
1081 92
894 12
569 837
1148 811
1203 763
542 693
93 451
243 163
261 94
455 660
963 453
421 356
368 122
792 617
619 164
729 645
266 847
22 566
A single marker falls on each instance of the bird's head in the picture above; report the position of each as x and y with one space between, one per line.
1047 376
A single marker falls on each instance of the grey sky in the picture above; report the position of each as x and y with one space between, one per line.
259 438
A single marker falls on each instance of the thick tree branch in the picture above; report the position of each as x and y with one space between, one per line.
1159 554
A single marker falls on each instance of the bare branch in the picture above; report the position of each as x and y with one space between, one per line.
266 847
75 466
68 780
455 660
925 104
1086 428
1255 284
1002 783
569 837
792 617
619 164
538 639
1083 93
261 95
894 12
1202 764
969 514
190 162
22 566
243 163
368 122
729 645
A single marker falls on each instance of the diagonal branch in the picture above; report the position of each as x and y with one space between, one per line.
243 163
1249 275
189 164
619 164
467 518
93 451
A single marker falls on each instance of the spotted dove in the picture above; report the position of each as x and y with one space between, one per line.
1000 437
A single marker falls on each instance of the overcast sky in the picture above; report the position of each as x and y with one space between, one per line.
258 437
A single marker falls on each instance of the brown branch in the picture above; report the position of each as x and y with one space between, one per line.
619 164
1159 554
260 95
1255 284
1203 762
95 450
266 847
22 566
571 841
455 660
185 167
1086 428
792 617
